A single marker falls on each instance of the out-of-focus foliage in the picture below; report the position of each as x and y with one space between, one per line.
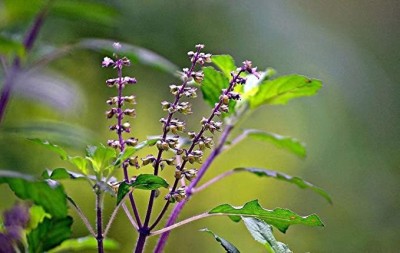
350 128
286 178
83 243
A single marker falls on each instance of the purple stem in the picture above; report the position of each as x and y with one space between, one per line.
28 42
178 208
120 115
99 238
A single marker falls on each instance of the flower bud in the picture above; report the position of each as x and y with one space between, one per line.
202 145
107 62
159 145
199 46
131 141
165 105
178 174
112 100
148 159
192 135
114 144
129 80
111 113
133 161
130 112
190 174
198 76
170 161
225 99
126 127
130 99
224 108
111 82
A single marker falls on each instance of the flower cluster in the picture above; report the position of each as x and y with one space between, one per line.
118 102
15 221
174 127
199 141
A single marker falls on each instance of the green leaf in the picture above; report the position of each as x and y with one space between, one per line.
61 173
84 243
53 131
102 14
11 47
129 151
229 247
81 163
102 157
49 234
143 182
279 217
225 63
123 189
262 233
288 143
252 82
36 216
134 53
281 176
55 148
212 85
90 149
149 182
51 197
124 155
283 89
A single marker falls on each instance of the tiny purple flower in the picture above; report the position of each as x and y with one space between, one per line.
117 46
107 62
18 215
6 244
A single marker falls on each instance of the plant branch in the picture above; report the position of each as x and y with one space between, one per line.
191 219
112 218
212 181
128 214
82 216
99 222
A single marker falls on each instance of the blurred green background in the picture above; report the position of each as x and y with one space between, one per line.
350 127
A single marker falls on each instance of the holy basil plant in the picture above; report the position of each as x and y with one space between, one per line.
232 91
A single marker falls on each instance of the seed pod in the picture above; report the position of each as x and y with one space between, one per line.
111 113
126 127
190 174
178 174
165 146
159 145
130 112
201 145
133 161
225 99
130 99
131 141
